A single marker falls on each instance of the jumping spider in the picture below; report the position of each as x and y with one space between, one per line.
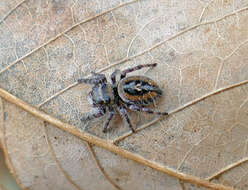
134 93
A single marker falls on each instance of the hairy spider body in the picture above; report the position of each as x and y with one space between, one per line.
134 93
139 90
101 94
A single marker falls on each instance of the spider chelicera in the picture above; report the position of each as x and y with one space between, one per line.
134 93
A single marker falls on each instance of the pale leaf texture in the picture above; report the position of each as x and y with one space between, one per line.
201 48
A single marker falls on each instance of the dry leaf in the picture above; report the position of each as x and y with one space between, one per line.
201 51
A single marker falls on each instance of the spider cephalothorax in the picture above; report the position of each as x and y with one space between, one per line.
134 93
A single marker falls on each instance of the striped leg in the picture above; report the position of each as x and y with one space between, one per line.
98 78
124 115
138 67
113 76
146 110
111 114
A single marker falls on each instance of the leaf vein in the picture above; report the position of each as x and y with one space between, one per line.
62 33
108 145
56 160
11 11
101 168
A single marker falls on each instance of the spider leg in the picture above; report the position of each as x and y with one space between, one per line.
124 115
111 114
98 75
98 78
99 112
113 76
146 110
138 67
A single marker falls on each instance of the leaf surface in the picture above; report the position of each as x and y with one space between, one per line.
201 51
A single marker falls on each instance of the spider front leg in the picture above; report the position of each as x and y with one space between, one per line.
146 110
113 76
111 114
98 78
99 112
124 115
138 67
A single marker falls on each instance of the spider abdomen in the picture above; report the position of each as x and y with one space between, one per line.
138 90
